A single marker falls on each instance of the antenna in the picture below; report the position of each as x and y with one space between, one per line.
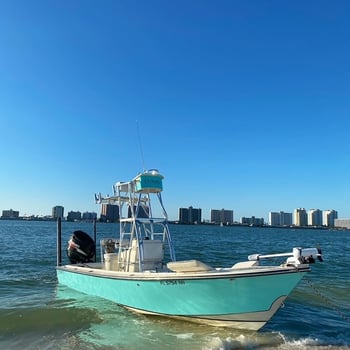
140 144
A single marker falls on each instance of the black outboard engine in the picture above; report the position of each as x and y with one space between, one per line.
81 248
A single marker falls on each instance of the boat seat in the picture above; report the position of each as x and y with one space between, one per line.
153 250
188 266
153 254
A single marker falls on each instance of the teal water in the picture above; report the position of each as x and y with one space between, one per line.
36 313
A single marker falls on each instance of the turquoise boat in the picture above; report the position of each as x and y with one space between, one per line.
139 271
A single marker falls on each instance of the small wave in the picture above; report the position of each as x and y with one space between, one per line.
244 341
268 342
310 343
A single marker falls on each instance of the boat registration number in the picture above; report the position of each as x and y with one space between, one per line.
172 282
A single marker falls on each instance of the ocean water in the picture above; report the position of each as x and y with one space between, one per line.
37 313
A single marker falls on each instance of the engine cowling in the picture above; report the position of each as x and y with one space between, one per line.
81 248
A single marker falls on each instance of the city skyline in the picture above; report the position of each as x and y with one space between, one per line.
299 216
238 104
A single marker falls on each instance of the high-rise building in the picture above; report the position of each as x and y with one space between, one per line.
183 216
221 216
329 216
280 218
253 221
142 213
10 214
89 216
314 217
300 217
286 218
190 215
74 216
58 212
109 213
274 218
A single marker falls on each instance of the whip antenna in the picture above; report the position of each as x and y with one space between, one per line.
140 144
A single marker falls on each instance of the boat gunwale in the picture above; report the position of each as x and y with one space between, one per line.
168 275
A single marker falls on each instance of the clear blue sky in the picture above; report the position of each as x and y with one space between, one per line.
241 105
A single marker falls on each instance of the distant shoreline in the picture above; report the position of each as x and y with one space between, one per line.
174 222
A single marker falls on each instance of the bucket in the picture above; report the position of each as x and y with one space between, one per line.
111 261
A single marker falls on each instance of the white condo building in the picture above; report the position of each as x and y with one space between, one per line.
329 217
280 218
314 217
300 217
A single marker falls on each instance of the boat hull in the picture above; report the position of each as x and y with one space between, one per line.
240 299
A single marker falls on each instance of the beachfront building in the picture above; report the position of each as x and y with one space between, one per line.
274 218
57 212
142 213
109 213
89 216
300 217
280 218
342 223
74 216
221 216
10 214
314 217
329 216
190 215
252 221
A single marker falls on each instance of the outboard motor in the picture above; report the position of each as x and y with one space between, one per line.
81 248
